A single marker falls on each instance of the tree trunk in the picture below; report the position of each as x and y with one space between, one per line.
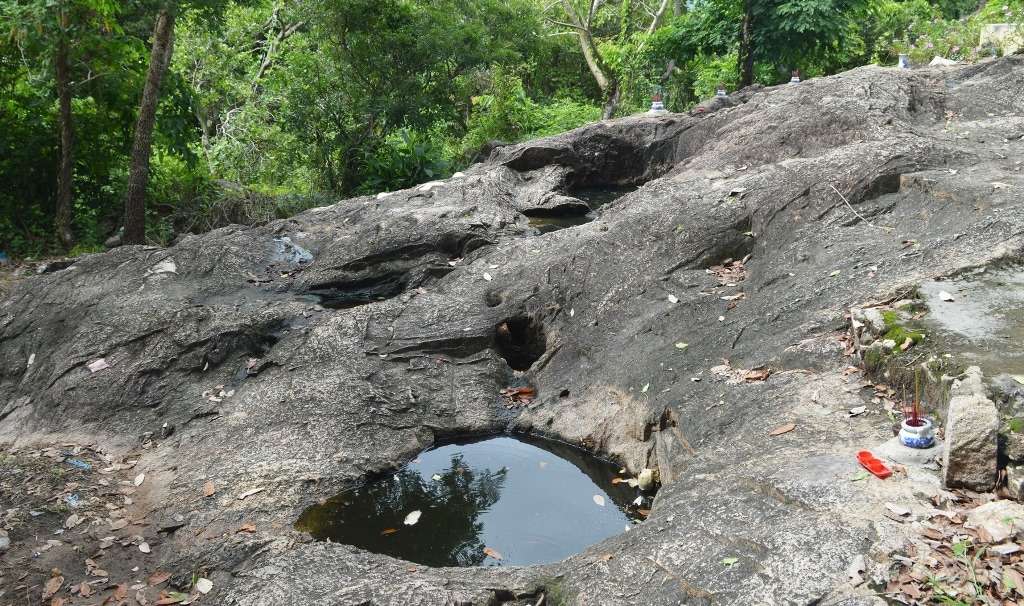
611 104
63 212
746 54
656 19
138 175
606 81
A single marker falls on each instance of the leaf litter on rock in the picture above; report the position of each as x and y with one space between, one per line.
956 562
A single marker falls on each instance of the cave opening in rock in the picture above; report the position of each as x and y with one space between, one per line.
487 502
521 341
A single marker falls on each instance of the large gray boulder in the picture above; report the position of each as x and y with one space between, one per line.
355 335
969 460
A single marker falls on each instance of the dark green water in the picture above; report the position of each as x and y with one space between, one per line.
530 501
595 197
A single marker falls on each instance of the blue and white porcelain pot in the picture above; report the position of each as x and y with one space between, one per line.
920 436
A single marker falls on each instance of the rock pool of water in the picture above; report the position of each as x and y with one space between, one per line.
497 501
985 320
595 197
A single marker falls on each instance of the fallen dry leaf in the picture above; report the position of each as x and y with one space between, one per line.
788 427
171 597
897 509
209 488
412 518
1015 578
158 577
85 590
756 374
492 553
52 586
247 527
933 534
121 592
249 493
599 500
139 479
388 531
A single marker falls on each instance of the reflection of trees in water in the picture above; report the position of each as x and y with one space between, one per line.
448 534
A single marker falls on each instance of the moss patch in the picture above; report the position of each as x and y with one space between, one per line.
897 332
900 334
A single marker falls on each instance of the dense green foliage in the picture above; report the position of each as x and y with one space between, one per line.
272 106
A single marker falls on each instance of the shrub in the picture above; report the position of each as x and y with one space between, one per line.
403 160
507 114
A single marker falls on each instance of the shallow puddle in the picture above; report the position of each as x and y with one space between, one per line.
497 501
985 320
596 197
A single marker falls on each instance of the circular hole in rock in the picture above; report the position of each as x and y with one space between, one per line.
491 502
493 298
520 341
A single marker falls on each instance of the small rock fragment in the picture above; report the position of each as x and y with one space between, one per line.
98 365
646 479
856 570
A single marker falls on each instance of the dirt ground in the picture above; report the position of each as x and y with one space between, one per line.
80 532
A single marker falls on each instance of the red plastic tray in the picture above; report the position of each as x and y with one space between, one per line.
873 464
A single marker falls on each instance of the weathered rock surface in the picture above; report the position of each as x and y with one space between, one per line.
371 333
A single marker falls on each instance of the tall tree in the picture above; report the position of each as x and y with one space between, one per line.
63 212
582 17
138 174
54 36
746 52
